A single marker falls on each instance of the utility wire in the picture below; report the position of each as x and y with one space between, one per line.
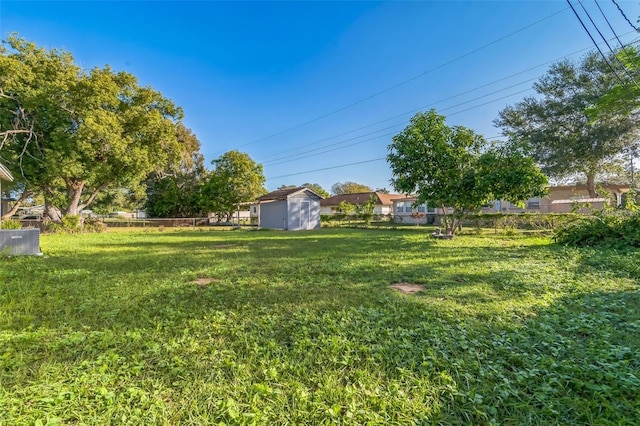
575 12
322 150
622 45
341 165
609 24
329 168
404 81
392 133
624 16
607 43
403 114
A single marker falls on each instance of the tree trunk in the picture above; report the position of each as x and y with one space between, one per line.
445 218
16 205
74 191
591 185
50 210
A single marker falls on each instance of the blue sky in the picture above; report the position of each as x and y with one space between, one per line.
303 86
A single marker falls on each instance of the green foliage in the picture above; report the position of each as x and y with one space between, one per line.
315 187
112 328
451 168
621 98
339 188
10 224
533 221
366 209
93 225
555 127
176 191
95 129
618 228
236 178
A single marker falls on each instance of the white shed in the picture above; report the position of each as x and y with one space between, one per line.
290 209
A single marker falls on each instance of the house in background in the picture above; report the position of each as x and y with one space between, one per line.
407 211
383 202
290 209
564 199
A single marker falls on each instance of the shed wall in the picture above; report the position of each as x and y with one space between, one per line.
273 215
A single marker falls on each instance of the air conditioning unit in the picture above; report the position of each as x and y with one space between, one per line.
16 242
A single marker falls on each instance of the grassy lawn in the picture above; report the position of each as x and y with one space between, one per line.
303 328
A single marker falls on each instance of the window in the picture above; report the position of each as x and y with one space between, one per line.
399 207
422 208
407 208
533 203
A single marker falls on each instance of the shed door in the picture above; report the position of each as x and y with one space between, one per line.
305 211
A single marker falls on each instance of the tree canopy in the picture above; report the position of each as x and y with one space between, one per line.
315 187
557 128
348 187
88 130
236 178
453 168
176 191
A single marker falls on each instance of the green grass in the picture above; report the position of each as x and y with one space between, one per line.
302 328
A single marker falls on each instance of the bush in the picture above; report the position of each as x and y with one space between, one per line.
512 221
608 229
94 225
70 224
11 224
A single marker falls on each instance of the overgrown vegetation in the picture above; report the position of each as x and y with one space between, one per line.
10 224
611 229
302 328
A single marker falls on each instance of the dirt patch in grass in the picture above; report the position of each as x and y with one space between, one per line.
202 282
408 288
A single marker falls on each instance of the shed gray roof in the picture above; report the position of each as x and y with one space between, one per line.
5 174
283 194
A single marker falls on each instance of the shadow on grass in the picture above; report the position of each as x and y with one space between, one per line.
502 331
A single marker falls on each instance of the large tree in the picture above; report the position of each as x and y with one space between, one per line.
339 188
90 130
236 178
176 190
557 127
452 168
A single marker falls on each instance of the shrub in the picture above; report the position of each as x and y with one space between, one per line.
70 224
11 224
94 225
609 229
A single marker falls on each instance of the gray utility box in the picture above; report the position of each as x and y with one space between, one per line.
20 241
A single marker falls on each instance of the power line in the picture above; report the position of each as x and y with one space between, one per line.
329 168
609 24
343 165
403 114
622 45
594 41
300 155
404 81
606 42
624 16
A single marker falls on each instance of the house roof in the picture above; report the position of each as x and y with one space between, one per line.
5 174
283 194
361 197
584 187
580 200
